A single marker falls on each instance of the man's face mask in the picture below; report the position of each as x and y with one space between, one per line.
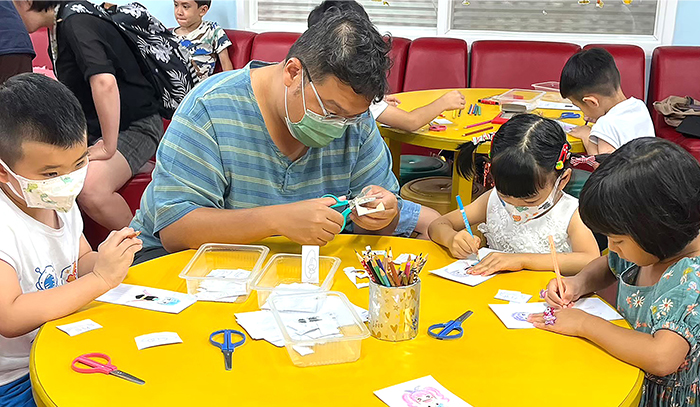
58 193
315 130
524 214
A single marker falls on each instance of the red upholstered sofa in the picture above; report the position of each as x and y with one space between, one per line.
675 71
430 63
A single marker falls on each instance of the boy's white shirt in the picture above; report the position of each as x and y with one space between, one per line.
625 122
43 257
377 108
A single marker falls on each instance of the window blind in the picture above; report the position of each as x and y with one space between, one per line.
556 16
399 13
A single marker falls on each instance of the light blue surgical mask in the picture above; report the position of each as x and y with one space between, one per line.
315 130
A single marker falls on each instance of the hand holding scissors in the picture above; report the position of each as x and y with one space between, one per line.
448 327
99 367
227 346
345 206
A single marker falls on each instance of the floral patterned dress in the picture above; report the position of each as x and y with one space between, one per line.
670 304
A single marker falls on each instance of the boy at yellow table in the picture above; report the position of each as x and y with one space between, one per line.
529 160
47 268
646 199
591 80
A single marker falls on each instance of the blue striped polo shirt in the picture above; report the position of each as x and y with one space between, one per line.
217 153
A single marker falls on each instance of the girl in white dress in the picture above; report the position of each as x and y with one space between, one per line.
529 164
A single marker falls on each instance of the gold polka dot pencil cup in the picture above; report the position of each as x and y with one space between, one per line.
393 311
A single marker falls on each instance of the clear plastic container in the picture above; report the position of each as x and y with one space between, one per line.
525 97
213 256
344 347
549 86
285 268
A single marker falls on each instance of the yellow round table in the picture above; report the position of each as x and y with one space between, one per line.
453 137
490 366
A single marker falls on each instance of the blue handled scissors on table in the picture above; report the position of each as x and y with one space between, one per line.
345 207
448 327
227 347
569 115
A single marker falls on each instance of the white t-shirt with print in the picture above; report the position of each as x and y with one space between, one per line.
625 122
43 258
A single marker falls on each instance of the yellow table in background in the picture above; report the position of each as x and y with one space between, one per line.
453 137
490 366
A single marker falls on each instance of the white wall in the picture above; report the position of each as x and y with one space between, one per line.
221 11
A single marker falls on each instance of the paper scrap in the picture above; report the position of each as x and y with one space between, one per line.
514 316
157 339
567 127
442 121
362 211
355 274
425 391
512 296
303 350
225 285
153 299
77 328
404 257
309 264
542 104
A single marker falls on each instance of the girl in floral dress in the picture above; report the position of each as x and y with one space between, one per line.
646 199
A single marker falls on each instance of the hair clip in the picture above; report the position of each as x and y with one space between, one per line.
563 156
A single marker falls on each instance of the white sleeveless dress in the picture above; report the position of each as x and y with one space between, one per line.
532 237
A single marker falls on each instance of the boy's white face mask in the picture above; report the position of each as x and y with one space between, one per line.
58 193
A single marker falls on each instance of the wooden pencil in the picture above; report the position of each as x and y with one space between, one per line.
553 249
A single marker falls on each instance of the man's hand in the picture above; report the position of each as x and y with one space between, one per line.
377 220
310 222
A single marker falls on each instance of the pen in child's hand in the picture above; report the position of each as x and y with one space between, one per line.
133 235
464 215
556 268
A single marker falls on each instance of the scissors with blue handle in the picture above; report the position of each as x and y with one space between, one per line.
448 327
569 115
345 207
227 346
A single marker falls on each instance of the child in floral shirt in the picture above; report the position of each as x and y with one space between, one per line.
205 40
646 199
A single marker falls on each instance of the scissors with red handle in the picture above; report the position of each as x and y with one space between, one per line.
99 367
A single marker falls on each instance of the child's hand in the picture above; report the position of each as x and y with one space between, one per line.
452 100
463 244
571 293
392 100
570 321
581 132
115 255
495 262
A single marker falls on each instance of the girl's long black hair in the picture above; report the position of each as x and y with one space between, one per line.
524 155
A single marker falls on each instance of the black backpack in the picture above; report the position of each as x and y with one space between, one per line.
165 64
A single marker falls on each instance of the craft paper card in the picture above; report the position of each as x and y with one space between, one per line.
77 328
423 392
356 274
153 299
309 264
459 270
512 296
223 290
362 211
542 104
157 339
443 122
514 316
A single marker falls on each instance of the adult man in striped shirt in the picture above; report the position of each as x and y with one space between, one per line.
249 152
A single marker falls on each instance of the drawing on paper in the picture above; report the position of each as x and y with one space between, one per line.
424 397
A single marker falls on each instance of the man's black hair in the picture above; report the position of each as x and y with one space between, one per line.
649 190
343 6
43 5
524 155
348 47
34 107
590 71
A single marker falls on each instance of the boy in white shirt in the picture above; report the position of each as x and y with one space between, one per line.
591 81
47 268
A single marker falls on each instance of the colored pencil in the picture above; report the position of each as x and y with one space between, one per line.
464 215
556 266
477 131
477 124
